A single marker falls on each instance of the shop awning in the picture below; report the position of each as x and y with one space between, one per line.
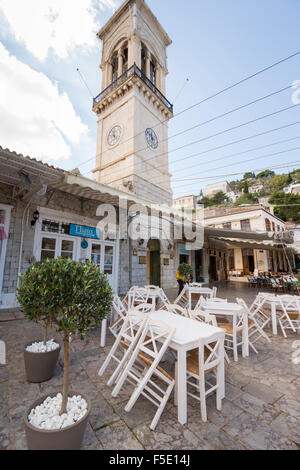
86 188
224 234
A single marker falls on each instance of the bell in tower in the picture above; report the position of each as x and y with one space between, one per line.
132 109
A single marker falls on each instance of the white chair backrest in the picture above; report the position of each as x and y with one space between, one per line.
176 309
214 348
200 302
202 316
154 341
162 297
119 307
144 308
138 295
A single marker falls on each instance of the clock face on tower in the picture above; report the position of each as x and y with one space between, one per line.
114 135
151 138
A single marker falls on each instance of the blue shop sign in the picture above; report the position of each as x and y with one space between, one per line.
183 250
84 232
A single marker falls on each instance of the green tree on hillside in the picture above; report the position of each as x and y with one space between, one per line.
287 206
247 198
278 182
266 174
249 175
218 199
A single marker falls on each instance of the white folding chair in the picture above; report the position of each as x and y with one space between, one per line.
255 320
149 350
125 342
289 318
204 365
119 310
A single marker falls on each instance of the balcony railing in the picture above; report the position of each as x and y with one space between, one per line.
133 71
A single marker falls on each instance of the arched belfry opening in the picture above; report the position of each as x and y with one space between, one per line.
153 262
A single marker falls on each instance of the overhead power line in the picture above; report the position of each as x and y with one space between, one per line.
210 97
286 165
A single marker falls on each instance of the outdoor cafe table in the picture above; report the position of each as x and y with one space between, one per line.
197 291
230 309
274 301
186 338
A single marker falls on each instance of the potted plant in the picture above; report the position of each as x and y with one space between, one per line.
79 298
40 357
186 270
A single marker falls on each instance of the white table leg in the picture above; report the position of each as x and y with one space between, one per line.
274 318
223 372
181 387
103 333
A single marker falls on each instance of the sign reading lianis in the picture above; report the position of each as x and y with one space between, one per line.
84 232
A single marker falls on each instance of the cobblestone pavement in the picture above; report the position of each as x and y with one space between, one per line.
261 409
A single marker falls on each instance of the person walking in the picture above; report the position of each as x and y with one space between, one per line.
180 280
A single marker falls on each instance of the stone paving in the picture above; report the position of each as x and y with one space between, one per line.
261 409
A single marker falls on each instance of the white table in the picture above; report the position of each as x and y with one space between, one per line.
227 308
198 291
274 301
186 338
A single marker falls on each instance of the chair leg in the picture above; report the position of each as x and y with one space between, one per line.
202 397
219 379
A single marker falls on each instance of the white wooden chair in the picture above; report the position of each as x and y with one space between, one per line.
137 296
205 371
162 299
144 308
149 350
202 316
176 309
289 318
234 332
255 331
119 311
182 299
125 342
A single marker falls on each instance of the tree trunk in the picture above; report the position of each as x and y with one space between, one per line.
66 375
45 336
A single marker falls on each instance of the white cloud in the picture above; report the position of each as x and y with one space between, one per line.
35 119
60 25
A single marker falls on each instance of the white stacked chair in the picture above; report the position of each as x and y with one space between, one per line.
136 296
289 318
119 310
204 365
149 350
182 299
202 316
125 342
255 331
162 299
176 309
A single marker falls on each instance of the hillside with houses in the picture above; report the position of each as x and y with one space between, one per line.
279 193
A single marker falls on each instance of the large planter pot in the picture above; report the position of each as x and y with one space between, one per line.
69 438
40 366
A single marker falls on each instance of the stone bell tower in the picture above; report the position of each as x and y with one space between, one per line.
132 110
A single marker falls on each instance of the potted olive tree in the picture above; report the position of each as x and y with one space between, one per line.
80 297
40 357
186 270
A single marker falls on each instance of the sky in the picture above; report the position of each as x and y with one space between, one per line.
46 110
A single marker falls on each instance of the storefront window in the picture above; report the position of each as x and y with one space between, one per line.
48 248
108 260
67 247
96 254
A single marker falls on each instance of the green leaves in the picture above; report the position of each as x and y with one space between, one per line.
185 270
73 296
